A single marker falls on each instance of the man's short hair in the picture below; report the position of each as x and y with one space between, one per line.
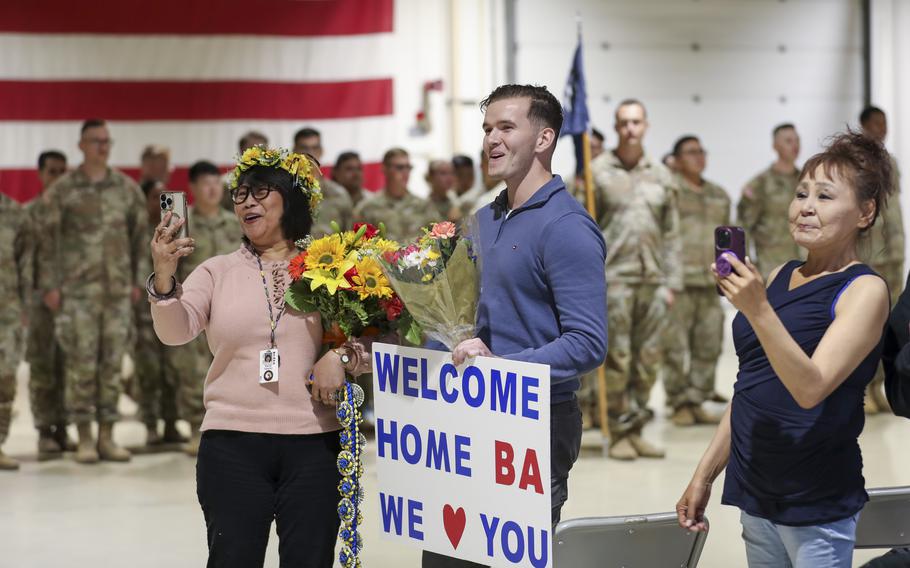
244 140
868 113
544 109
154 150
346 156
92 123
462 161
677 148
393 153
203 168
781 127
306 132
630 102
598 134
43 157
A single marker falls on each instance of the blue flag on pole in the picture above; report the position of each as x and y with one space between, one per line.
575 106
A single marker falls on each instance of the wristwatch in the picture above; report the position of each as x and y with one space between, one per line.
347 361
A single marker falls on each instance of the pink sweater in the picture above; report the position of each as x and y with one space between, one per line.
224 297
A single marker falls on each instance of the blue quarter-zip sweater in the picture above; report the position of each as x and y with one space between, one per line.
543 290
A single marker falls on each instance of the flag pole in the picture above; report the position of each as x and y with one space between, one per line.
592 210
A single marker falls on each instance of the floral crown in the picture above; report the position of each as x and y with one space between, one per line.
300 166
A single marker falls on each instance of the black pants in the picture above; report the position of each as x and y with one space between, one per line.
244 480
565 443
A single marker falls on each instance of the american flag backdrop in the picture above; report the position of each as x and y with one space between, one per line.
194 76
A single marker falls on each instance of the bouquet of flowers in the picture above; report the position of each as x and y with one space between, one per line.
437 277
340 276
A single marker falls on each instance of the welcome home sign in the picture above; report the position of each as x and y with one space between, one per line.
463 455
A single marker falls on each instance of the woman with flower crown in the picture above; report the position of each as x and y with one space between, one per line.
270 434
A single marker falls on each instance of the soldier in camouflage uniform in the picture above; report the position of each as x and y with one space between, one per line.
215 232
402 212
348 173
45 358
882 246
14 294
156 377
695 332
441 179
637 211
336 202
763 209
88 265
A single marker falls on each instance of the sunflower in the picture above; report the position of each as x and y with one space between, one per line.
326 253
370 281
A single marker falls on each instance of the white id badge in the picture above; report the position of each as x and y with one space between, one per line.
268 366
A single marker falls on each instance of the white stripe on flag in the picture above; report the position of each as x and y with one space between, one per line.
164 57
193 140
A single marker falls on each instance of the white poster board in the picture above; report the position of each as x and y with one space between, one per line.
463 455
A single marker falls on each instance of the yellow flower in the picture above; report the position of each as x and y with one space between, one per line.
251 154
326 278
326 253
370 281
380 245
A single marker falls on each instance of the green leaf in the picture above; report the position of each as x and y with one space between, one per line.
300 298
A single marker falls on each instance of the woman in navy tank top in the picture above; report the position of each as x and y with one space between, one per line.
808 345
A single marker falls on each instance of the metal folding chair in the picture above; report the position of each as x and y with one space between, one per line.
885 520
643 541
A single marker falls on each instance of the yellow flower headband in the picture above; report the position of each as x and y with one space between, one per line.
301 167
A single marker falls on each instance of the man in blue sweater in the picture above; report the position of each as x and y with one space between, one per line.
543 290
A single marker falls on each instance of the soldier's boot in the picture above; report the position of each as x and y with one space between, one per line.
86 450
63 439
152 437
7 463
683 416
644 448
877 387
703 416
172 435
622 449
108 450
48 448
192 447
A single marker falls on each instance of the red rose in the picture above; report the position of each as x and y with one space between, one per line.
393 307
370 232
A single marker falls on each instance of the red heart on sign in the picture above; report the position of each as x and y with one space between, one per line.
454 522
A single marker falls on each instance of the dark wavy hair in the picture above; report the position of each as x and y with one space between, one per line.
859 160
297 219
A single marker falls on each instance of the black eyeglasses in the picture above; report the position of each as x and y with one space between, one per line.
240 193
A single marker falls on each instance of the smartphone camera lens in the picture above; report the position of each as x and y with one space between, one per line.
724 238
169 201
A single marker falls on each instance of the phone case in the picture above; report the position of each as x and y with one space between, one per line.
175 202
728 239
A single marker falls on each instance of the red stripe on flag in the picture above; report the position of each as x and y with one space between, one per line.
23 185
225 17
188 100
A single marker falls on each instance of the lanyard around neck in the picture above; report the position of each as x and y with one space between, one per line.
273 321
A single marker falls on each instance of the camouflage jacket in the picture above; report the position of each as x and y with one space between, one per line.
638 214
15 283
700 212
336 206
214 236
403 217
96 236
763 211
884 243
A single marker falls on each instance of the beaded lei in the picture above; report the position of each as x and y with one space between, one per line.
350 465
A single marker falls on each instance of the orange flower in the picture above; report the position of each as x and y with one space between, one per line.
297 266
444 230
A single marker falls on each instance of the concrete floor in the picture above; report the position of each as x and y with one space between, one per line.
144 514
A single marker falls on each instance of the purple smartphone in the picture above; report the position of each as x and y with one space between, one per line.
728 240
